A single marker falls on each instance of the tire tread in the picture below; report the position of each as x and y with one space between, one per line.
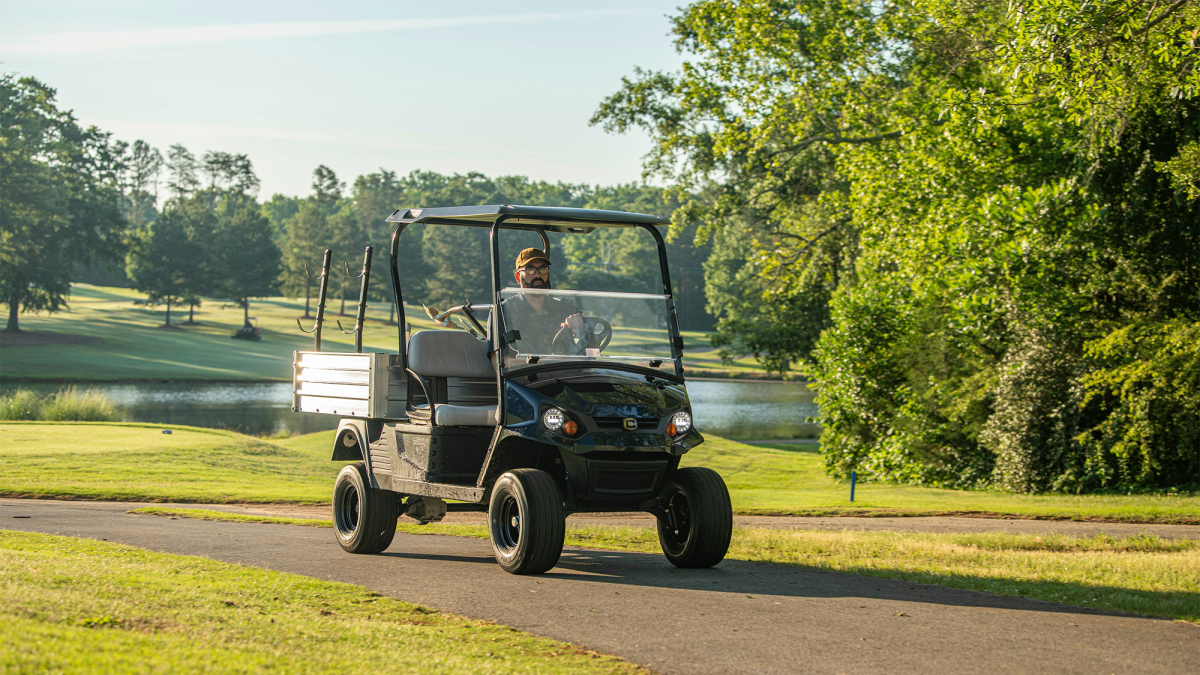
712 514
379 510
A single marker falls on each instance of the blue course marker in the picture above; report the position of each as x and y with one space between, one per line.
853 480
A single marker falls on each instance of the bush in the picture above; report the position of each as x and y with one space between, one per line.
1037 414
69 404
1148 383
22 404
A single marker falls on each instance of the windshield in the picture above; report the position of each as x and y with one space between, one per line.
628 327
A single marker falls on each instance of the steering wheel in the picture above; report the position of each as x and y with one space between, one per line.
597 334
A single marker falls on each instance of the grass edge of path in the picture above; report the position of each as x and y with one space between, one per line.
77 604
771 546
762 480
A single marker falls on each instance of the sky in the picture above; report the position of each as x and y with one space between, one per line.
497 87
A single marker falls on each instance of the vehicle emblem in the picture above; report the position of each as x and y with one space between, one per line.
630 423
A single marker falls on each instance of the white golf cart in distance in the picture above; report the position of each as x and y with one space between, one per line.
529 430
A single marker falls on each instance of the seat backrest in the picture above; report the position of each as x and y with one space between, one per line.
449 353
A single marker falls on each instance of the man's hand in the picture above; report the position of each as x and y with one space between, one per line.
574 322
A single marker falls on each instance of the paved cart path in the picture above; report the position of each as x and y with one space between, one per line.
934 524
736 618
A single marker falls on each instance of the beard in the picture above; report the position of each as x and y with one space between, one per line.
536 282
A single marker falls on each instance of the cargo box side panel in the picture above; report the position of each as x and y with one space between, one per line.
347 384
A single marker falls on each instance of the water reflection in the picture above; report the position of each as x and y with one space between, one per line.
733 409
754 409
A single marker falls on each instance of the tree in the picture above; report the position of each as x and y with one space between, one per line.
145 165
327 189
166 259
227 174
59 205
304 242
747 133
277 210
374 197
181 171
245 260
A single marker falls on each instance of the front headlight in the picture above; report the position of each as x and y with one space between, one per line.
553 419
682 422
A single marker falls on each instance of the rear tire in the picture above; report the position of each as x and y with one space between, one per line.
364 518
699 521
526 521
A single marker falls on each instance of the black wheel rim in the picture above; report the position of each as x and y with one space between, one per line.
506 524
346 512
679 520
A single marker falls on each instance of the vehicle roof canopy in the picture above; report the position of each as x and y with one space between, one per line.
545 218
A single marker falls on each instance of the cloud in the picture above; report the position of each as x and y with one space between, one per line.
58 44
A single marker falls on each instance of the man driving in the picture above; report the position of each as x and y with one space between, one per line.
537 316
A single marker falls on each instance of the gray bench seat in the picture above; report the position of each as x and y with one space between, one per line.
460 375
449 415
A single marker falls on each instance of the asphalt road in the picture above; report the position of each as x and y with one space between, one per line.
736 618
931 524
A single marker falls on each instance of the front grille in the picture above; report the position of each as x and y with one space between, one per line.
643 423
626 478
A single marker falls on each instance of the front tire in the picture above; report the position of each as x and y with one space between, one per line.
526 521
699 518
364 518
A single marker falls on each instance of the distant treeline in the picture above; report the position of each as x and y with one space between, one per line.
81 206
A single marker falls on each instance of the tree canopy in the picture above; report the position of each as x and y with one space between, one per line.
60 205
975 225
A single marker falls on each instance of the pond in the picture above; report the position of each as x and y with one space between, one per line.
743 409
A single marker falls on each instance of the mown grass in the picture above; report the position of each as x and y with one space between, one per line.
137 462
790 479
1142 574
66 404
134 345
77 605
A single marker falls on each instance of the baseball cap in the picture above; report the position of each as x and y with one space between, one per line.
529 255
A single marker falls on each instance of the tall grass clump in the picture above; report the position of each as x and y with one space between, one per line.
22 404
69 404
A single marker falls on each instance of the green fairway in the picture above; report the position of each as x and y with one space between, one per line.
137 462
77 605
123 341
790 479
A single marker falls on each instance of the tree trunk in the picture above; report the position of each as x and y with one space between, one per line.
392 313
307 293
246 312
342 311
14 308
191 313
168 323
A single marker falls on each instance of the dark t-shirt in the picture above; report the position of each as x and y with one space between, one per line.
537 328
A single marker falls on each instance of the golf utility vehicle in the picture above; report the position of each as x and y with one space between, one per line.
589 418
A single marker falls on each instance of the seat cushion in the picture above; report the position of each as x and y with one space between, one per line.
449 353
464 415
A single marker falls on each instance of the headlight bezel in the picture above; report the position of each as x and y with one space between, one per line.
549 423
681 423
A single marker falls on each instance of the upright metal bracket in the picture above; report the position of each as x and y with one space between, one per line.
365 275
324 277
